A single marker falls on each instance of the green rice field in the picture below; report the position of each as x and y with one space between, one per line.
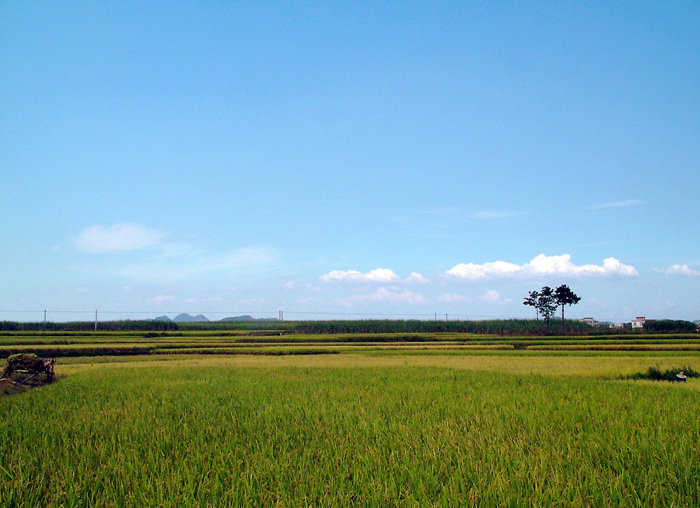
207 419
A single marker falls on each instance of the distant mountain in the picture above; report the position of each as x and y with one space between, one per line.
239 318
199 318
186 318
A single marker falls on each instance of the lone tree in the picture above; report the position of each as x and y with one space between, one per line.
563 296
531 301
546 304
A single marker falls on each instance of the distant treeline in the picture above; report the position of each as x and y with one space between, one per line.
87 326
670 325
494 327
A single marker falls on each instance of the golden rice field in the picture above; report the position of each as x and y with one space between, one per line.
402 424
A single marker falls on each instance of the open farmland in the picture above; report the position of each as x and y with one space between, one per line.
379 420
286 341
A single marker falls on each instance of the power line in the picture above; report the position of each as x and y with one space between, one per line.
425 316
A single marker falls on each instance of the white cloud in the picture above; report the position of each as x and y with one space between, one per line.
541 265
678 270
382 275
417 278
384 295
487 270
117 238
378 275
617 204
548 265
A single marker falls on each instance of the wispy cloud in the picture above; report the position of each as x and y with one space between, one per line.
385 295
191 267
161 299
491 296
679 270
442 210
446 218
382 275
118 238
165 262
211 299
494 214
540 265
452 297
617 204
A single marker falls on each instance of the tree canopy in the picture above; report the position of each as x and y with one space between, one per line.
547 300
563 296
546 304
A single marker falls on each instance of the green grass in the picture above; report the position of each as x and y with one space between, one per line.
347 430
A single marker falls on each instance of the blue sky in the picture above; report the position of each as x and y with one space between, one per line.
336 159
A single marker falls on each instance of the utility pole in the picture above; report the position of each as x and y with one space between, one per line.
95 319
281 315
44 317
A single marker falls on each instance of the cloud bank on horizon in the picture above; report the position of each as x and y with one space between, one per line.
538 266
542 265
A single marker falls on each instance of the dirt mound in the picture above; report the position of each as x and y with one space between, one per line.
25 371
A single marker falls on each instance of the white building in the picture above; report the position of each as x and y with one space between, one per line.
638 324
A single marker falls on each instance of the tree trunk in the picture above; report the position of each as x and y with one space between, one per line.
562 319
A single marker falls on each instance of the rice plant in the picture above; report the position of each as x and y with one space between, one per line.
382 435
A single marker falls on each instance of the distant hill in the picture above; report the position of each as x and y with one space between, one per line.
199 318
245 317
187 318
